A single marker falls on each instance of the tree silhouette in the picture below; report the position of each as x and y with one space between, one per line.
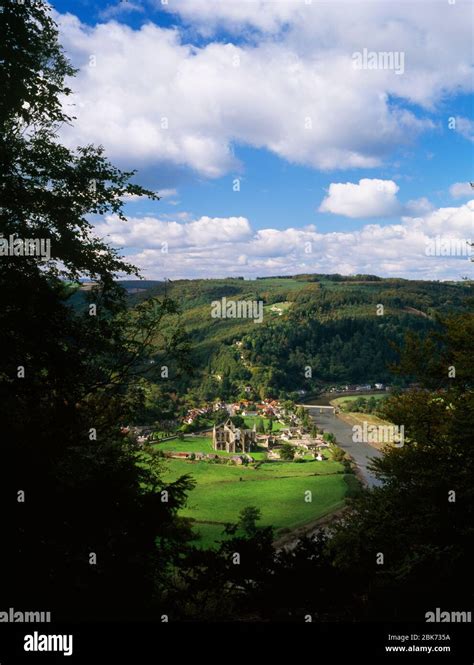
96 533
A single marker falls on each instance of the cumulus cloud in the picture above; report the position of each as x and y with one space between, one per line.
460 190
419 206
151 96
151 232
115 10
235 15
435 40
454 220
369 198
216 247
465 127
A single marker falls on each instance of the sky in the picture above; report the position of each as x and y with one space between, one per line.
283 136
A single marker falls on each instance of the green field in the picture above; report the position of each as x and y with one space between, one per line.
277 488
191 444
199 444
339 401
250 421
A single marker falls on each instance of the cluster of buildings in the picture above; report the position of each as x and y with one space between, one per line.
302 441
368 387
244 407
139 434
193 414
266 408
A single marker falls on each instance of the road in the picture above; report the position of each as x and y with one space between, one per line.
360 452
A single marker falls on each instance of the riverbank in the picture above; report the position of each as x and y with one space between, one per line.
326 399
361 453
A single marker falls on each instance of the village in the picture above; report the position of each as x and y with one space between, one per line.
241 432
245 431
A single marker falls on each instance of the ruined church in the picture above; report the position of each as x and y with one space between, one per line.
233 439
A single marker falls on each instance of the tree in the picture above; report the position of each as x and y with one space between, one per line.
260 425
94 536
337 453
287 452
418 515
238 421
213 587
248 518
371 404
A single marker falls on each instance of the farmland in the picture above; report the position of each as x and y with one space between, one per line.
288 494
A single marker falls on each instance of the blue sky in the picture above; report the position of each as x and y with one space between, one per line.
278 154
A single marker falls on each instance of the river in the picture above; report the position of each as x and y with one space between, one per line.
361 452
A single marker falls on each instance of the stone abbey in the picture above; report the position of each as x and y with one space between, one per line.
233 439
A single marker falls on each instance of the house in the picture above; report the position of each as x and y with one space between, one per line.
233 439
267 411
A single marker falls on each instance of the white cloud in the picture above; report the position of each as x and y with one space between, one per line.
455 220
122 7
460 190
465 127
167 193
419 206
152 99
151 232
434 37
370 198
216 247
162 193
236 15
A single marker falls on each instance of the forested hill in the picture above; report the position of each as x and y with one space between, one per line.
343 329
